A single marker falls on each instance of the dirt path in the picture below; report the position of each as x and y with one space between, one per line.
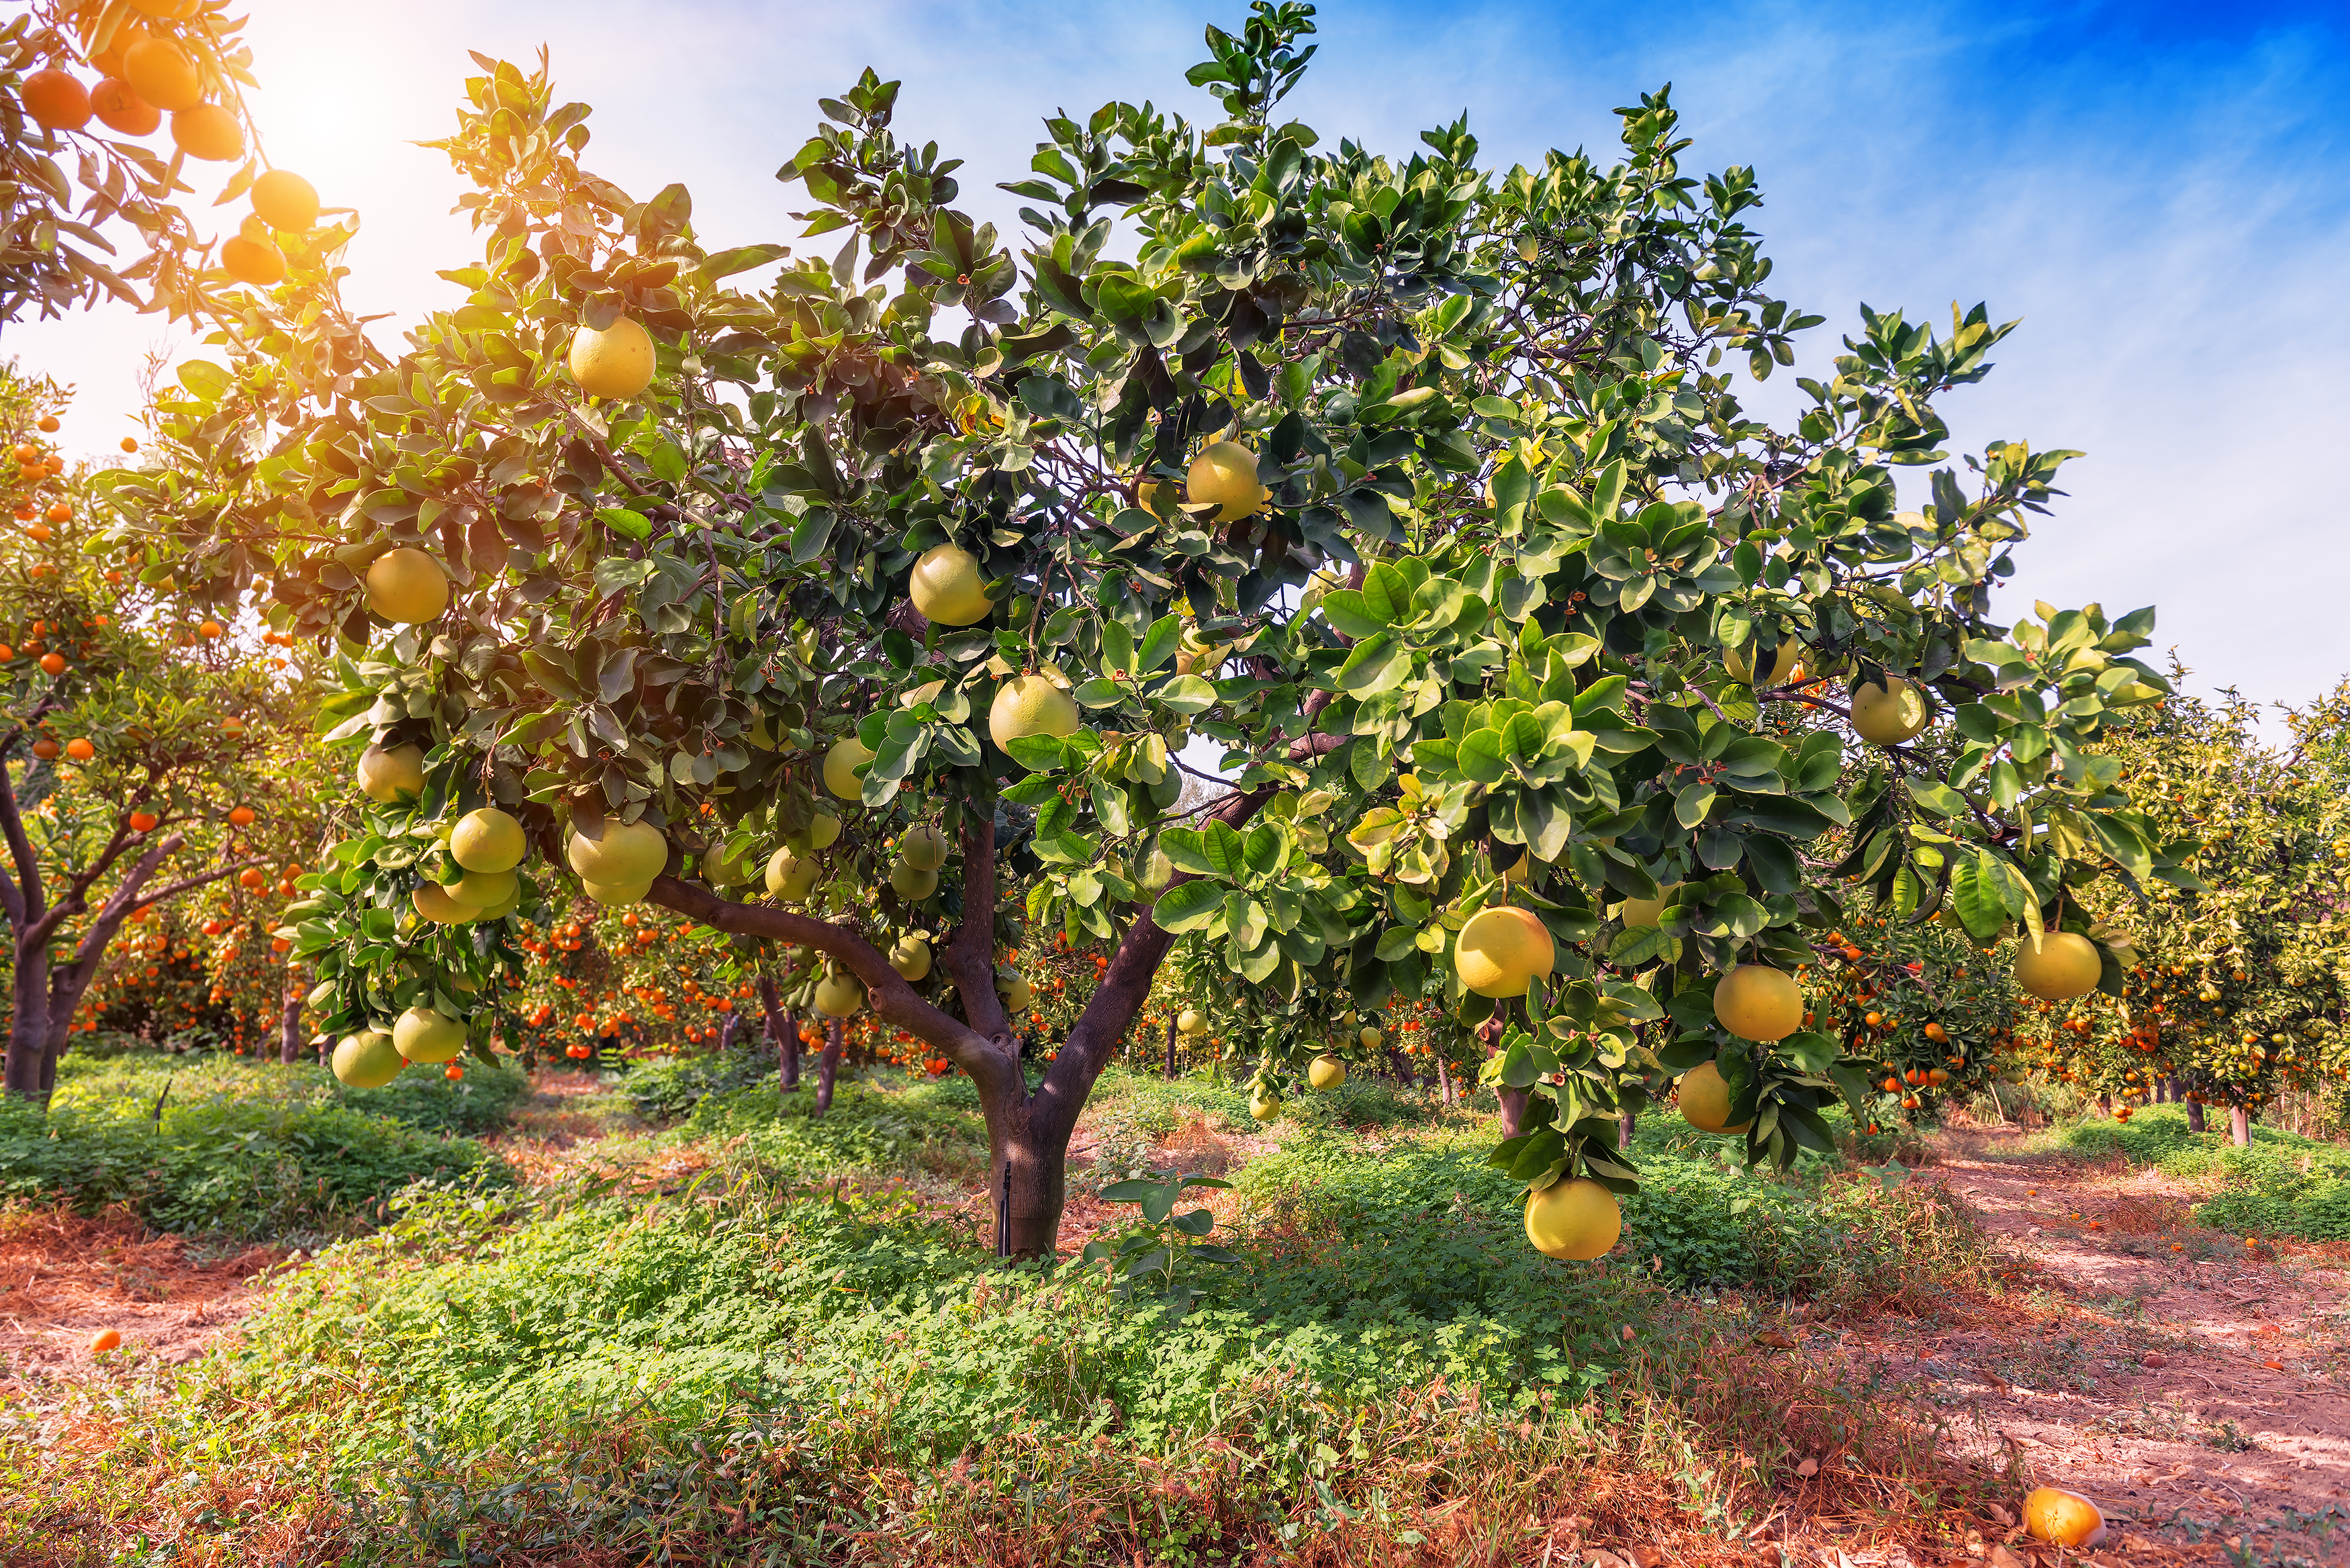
65 1280
2197 1388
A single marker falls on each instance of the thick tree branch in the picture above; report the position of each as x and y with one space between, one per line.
970 958
894 1002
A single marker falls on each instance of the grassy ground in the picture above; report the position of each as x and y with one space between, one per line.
753 1336
2282 1184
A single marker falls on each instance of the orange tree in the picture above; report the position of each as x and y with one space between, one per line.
657 575
147 753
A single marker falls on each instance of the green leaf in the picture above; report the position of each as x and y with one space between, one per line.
1187 907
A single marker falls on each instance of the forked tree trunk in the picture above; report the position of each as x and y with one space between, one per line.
32 1056
827 1065
2239 1126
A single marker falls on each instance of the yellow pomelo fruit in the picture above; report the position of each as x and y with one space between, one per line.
911 958
391 775
948 587
500 911
487 840
1501 950
1150 494
2067 966
369 1060
1647 911
485 889
1191 1021
616 362
1326 1072
616 894
1263 1106
1017 994
839 995
790 876
1369 1037
424 1035
441 906
284 200
1705 1100
1029 704
913 884
407 586
923 848
1224 476
840 765
1889 714
2064 1518
1576 1220
629 853
1787 664
1756 1002
721 872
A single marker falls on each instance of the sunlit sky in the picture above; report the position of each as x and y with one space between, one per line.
2162 193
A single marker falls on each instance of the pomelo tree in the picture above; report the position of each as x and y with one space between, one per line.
1421 489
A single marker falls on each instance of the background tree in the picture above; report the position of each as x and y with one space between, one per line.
1419 488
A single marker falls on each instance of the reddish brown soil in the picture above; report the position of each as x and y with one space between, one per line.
65 1279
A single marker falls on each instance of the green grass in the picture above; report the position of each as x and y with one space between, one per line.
2282 1184
128 1083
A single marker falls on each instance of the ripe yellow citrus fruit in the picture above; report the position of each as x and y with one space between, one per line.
839 995
1890 713
1264 1107
2067 966
210 132
1576 1219
368 1060
1756 1002
1191 1021
1017 994
823 832
1369 1037
629 853
441 907
1705 1100
285 199
911 958
721 872
1647 911
615 894
790 876
1224 476
1501 950
1029 704
487 840
120 109
912 882
407 586
840 765
2065 1518
391 775
924 847
424 1035
616 362
1787 664
1326 1072
1148 493
948 587
250 260
160 73
485 889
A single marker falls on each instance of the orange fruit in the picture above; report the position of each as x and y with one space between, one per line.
60 513
80 750
210 132
2065 1518
160 72
105 1339
284 200
119 109
55 663
142 822
242 816
253 262
57 99
130 443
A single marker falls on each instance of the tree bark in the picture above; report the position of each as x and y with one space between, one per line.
1513 1109
2239 1126
783 1032
2195 1123
1626 1125
31 1058
827 1065
726 1033
1444 1083
1170 1047
289 1037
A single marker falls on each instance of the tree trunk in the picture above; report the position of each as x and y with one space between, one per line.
827 1065
726 1033
1626 1125
1444 1083
783 1032
2239 1126
2195 1123
1170 1047
32 1056
1513 1109
2105 1105
289 1037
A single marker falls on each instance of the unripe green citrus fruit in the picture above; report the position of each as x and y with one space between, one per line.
790 876
616 362
1576 1219
1017 994
391 775
947 587
1029 704
1501 950
1369 1037
407 586
1264 1107
924 847
1756 1002
368 1060
840 765
721 872
1888 715
1326 1072
488 840
839 995
911 958
1191 1021
913 884
424 1035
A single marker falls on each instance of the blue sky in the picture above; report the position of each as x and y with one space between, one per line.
2158 191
